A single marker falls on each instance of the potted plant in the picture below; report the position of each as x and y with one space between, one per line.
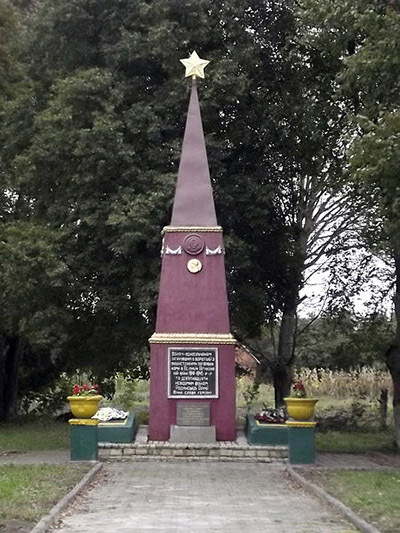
298 405
84 402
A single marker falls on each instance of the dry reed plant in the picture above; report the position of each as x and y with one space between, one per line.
365 382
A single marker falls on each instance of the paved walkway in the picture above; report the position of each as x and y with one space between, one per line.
335 461
201 497
30 458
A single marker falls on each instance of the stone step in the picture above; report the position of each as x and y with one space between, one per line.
144 450
192 452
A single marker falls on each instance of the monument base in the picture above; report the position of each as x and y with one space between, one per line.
119 430
163 407
299 436
301 442
193 434
84 439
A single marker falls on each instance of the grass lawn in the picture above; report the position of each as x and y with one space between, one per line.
27 492
46 434
355 441
34 435
373 495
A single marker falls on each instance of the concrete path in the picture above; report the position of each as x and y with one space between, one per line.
334 461
31 458
203 497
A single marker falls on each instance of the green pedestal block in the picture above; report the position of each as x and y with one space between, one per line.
84 439
301 443
266 434
119 430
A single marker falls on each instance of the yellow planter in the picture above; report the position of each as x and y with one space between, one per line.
84 406
300 408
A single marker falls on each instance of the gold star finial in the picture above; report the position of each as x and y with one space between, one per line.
194 65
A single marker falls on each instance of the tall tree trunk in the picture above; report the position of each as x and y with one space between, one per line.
393 358
383 408
283 369
10 355
3 377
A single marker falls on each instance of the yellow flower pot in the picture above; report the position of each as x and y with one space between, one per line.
300 408
84 406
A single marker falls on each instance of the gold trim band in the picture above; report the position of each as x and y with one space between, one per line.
296 424
197 338
186 229
83 422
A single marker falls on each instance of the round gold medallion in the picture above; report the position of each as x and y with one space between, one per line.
194 266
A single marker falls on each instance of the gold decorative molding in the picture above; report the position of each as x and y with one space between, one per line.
83 422
186 229
296 424
196 338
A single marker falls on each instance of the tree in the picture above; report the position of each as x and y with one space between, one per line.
315 206
8 78
8 64
32 303
90 149
374 72
369 85
343 341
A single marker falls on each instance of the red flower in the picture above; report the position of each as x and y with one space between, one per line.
299 390
86 389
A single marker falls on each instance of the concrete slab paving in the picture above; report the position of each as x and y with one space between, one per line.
198 498
38 457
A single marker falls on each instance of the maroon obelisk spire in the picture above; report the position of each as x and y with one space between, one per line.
192 350
194 202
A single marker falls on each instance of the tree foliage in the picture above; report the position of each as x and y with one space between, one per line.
90 147
369 84
343 341
90 151
374 73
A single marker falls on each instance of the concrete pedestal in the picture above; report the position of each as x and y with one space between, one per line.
193 434
298 436
301 442
119 430
84 439
268 434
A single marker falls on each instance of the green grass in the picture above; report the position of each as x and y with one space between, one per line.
28 492
355 441
373 495
34 435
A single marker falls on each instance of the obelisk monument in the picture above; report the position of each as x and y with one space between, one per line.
192 379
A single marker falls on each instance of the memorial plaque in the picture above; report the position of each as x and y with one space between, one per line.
192 373
193 414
